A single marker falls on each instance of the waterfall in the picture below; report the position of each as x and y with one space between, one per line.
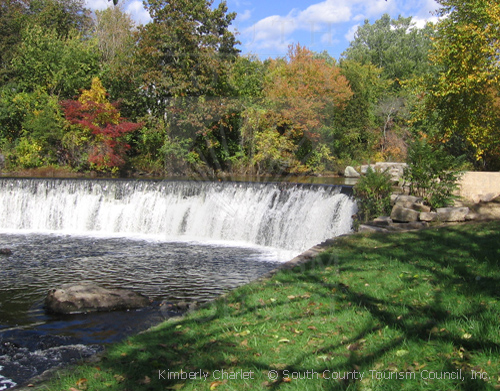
286 216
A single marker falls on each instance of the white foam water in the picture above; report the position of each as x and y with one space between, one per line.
284 216
5 383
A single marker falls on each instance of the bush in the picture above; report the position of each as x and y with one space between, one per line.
373 195
432 173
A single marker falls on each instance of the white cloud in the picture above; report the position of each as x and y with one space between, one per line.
329 11
241 17
137 11
359 17
349 36
134 7
274 28
377 8
98 4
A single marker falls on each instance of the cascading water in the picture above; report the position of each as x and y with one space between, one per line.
286 216
155 237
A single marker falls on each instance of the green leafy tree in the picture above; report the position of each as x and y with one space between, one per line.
11 22
62 16
247 75
31 126
394 45
357 135
185 51
185 55
59 65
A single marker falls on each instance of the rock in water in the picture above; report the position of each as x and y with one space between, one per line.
88 297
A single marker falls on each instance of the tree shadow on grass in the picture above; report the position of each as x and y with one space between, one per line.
418 303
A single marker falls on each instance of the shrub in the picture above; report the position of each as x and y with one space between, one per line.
373 194
432 173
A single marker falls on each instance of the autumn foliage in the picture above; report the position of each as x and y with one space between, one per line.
101 126
305 89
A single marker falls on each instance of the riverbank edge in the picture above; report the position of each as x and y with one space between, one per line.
37 382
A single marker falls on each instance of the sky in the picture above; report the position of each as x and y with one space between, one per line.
267 27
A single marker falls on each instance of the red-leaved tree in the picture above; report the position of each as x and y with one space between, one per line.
96 130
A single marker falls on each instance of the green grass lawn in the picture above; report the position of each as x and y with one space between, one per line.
406 311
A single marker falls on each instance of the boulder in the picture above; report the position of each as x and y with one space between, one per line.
403 215
350 172
419 207
428 216
403 198
88 297
382 221
495 200
452 214
484 211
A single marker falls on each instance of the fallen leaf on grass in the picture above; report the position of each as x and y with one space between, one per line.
81 382
216 384
119 378
283 340
353 346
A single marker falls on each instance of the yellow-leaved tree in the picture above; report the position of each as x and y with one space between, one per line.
461 102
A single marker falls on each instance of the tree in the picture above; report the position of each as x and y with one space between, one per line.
115 33
31 126
461 104
96 132
59 65
356 134
185 50
395 45
63 16
11 22
305 90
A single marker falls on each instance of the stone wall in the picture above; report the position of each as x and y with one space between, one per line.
479 186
